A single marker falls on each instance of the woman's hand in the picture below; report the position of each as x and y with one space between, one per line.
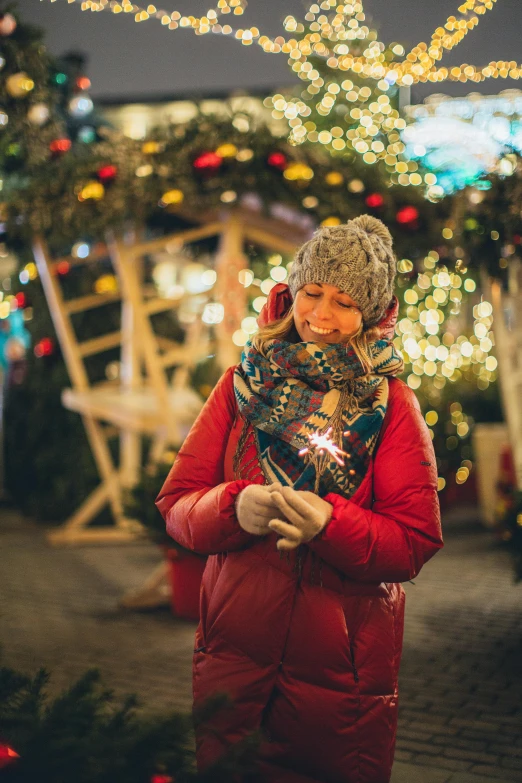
306 514
255 507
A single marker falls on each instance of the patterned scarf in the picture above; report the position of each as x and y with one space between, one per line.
302 388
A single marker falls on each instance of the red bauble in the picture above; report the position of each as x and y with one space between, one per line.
107 173
7 755
83 82
208 161
45 347
162 779
407 215
59 146
63 267
277 160
7 24
374 200
21 299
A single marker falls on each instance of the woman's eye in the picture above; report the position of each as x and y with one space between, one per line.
314 296
346 306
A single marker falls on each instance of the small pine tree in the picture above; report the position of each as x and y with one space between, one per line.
85 736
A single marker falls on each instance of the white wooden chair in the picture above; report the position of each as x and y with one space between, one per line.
142 402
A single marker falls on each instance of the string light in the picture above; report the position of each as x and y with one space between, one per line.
328 37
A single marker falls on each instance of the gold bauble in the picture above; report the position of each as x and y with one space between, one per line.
227 151
331 221
172 197
106 284
298 171
334 178
92 190
151 147
19 85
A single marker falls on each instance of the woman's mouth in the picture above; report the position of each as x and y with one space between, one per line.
318 330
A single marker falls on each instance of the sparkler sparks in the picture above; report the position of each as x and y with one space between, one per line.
322 443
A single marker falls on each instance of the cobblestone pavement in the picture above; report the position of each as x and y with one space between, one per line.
460 718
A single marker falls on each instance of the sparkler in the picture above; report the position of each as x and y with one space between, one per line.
322 443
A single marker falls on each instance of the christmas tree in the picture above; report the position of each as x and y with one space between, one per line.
350 103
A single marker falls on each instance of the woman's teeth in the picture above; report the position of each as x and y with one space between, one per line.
317 330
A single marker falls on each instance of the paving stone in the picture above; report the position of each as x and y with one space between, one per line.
442 762
411 773
497 773
460 681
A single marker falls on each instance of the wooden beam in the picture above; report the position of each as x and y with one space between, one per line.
99 344
61 321
270 241
181 238
160 305
83 303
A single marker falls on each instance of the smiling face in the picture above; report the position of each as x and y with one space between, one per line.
324 314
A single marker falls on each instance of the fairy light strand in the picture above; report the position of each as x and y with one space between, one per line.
328 38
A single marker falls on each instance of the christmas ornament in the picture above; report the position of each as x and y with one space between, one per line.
86 134
172 197
208 161
2 62
277 160
80 106
227 151
151 147
298 172
38 114
4 119
106 284
334 178
7 24
356 186
83 83
107 173
59 146
331 221
19 85
162 779
374 200
7 755
63 268
407 215
91 191
44 347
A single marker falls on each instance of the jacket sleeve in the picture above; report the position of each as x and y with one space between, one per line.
391 541
196 503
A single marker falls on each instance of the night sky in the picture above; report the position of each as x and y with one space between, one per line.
130 60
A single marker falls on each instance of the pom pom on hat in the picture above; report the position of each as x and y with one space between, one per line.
374 226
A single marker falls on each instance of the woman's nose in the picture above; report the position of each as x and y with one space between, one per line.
323 309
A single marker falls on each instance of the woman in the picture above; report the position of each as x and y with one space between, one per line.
302 609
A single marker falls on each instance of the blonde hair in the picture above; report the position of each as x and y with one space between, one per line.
285 329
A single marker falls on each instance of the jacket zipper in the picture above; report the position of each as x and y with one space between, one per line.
298 582
355 672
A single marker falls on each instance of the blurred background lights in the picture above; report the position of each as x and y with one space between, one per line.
213 313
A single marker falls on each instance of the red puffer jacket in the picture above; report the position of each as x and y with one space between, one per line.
311 653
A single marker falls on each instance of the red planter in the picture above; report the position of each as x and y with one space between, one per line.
186 571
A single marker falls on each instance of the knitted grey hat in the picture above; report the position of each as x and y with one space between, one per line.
357 257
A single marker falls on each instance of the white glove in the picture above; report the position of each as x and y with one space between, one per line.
255 507
306 514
